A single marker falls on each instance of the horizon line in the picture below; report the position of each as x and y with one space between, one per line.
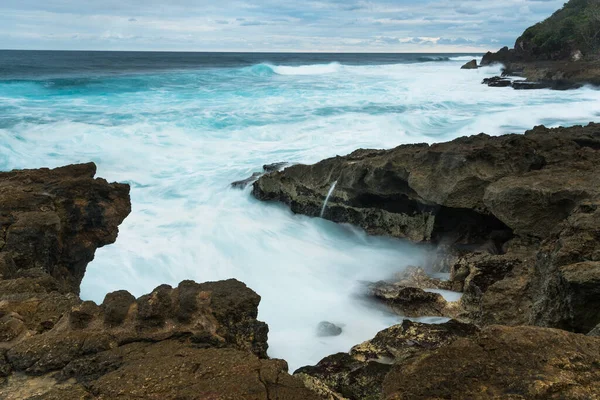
252 52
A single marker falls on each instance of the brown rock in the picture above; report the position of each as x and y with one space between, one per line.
502 363
470 65
360 374
410 301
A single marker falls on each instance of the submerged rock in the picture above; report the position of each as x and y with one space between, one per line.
267 168
325 329
470 65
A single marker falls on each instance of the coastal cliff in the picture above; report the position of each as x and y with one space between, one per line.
561 52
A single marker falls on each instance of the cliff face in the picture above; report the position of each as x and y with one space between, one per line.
571 33
561 52
189 342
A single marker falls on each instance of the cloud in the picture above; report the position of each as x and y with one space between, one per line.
269 25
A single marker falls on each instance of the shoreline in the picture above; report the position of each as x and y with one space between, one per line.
190 319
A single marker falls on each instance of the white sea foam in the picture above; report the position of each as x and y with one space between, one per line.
317 69
180 138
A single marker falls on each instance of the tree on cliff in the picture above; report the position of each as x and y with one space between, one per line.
574 27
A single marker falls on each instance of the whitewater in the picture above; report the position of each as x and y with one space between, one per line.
180 134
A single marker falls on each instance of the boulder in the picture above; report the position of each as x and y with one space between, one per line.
470 65
325 329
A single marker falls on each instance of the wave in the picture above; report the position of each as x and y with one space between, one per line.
465 58
432 58
265 69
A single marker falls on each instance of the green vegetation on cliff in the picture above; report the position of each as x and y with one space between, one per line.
574 27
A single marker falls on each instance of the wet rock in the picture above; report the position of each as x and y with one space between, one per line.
347 377
410 301
499 363
278 166
192 341
418 278
470 65
325 329
360 374
244 183
510 212
497 81
408 339
267 168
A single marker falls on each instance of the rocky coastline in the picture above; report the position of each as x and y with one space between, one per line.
514 220
195 341
562 52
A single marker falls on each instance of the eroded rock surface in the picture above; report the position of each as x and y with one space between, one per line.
517 217
195 341
360 374
502 363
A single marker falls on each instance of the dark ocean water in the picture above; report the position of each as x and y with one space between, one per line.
15 64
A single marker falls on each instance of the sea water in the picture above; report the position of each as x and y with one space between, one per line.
180 127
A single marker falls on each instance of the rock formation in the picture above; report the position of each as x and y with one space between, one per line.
195 341
470 65
560 52
516 221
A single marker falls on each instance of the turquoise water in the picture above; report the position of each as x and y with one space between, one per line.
180 131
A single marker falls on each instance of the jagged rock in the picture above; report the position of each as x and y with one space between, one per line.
347 377
244 183
501 56
325 329
595 331
192 341
408 339
360 374
278 166
267 168
497 81
500 363
511 210
470 65
54 220
418 278
410 301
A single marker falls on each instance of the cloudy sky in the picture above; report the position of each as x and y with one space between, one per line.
268 25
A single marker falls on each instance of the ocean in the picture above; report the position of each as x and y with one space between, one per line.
180 127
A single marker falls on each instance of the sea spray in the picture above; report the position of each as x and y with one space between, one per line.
331 190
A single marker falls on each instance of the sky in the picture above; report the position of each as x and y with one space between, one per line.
269 25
